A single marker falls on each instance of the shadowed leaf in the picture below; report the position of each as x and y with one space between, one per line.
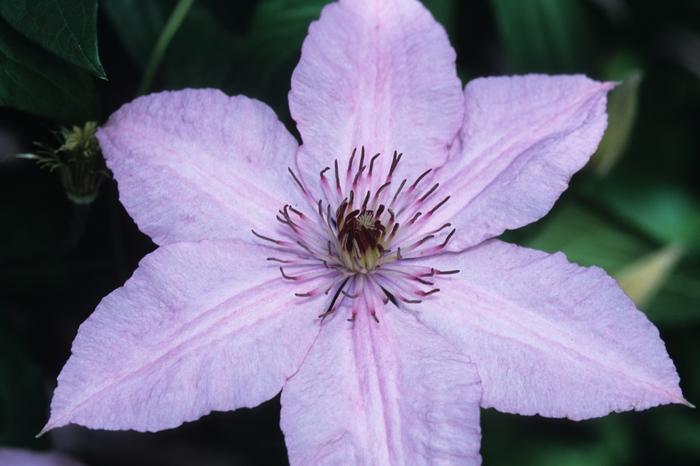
67 28
35 81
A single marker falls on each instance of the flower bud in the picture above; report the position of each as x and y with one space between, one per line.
78 162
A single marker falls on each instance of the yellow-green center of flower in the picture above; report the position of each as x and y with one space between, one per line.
362 237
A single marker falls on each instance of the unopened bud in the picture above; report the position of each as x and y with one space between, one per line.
78 162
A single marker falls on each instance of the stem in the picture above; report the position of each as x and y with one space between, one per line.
78 222
166 35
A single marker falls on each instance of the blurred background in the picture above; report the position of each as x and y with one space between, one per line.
65 241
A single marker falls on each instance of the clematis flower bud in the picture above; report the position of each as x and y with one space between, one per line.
78 162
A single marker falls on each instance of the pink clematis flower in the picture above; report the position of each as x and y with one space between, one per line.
375 298
19 457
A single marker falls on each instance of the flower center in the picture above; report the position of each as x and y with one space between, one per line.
362 237
365 229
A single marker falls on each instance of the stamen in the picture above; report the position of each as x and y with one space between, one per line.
390 296
381 188
307 248
274 259
422 175
423 281
357 176
364 203
337 177
393 232
424 239
299 213
430 191
335 298
379 212
352 157
301 186
287 277
395 159
444 243
415 217
276 241
362 160
440 204
371 163
403 183
368 239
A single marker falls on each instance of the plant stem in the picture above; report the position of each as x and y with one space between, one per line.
78 222
166 35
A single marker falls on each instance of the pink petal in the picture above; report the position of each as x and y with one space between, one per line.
200 327
387 393
197 164
549 337
17 457
378 73
522 140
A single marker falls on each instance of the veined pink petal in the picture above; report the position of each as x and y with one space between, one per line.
199 327
522 140
549 337
197 164
378 73
17 457
382 394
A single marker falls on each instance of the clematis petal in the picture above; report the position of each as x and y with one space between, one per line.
17 457
378 73
200 327
522 140
198 164
388 393
549 337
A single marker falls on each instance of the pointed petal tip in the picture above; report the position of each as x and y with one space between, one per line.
610 85
43 431
51 424
688 404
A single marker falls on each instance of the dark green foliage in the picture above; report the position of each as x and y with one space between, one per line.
543 35
34 81
45 48
637 201
67 28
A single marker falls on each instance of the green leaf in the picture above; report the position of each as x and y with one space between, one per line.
67 28
138 24
445 13
273 47
622 112
665 210
643 278
35 81
543 35
680 431
586 236
668 287
205 53
678 301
